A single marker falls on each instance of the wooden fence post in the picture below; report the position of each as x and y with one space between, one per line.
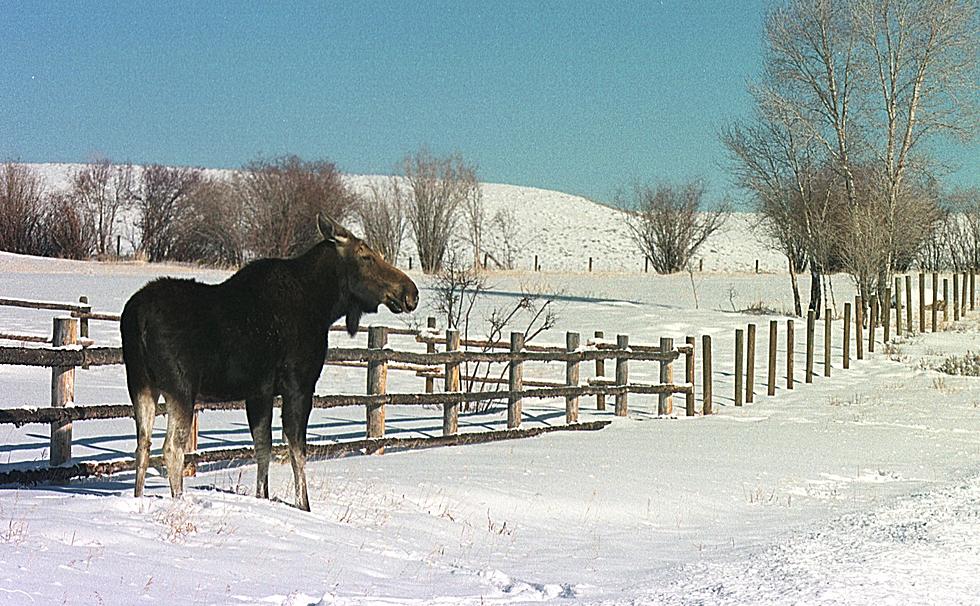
811 327
572 341
898 306
859 327
622 376
847 335
590 265
973 292
922 303
828 321
750 365
963 297
873 323
935 301
756 266
945 301
790 338
516 381
665 403
771 375
536 266
956 297
908 304
430 347
83 322
739 353
65 332
706 386
450 410
377 383
646 264
600 371
689 377
886 316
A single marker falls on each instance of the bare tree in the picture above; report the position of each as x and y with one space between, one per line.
21 209
668 223
211 226
68 232
101 190
922 83
961 228
381 212
503 241
439 187
281 197
161 199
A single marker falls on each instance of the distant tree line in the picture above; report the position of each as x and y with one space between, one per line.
265 209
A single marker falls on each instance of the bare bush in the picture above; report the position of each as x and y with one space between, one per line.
282 197
161 199
503 241
21 209
439 187
668 223
68 232
102 190
381 212
211 226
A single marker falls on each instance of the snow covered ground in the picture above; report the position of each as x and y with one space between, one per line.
862 488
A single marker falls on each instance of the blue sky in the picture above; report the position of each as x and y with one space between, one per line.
583 97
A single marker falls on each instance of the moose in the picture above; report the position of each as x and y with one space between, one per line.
260 333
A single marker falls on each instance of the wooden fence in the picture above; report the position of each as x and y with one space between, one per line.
67 352
871 315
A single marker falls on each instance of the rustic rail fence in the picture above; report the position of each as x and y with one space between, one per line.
68 352
870 315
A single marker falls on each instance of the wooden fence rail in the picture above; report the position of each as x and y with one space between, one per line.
378 358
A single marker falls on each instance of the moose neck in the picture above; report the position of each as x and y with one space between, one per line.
325 283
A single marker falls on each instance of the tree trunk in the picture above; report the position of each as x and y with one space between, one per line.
816 293
798 308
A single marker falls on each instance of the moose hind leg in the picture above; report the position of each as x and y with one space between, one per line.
144 410
259 412
180 414
295 418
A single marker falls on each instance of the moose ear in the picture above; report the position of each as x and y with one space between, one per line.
332 232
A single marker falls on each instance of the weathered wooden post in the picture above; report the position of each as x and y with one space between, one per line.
873 324
646 264
945 300
739 353
622 375
701 264
450 410
828 321
756 266
665 404
65 333
750 365
590 265
973 292
922 303
689 377
516 381
908 304
935 301
771 374
377 383
859 327
811 327
707 389
118 246
956 297
83 321
600 371
790 338
430 347
410 263
963 296
886 316
847 335
572 341
536 266
898 306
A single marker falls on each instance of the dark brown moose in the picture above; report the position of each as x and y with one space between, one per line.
259 334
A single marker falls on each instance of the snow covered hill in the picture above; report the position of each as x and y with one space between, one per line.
565 230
